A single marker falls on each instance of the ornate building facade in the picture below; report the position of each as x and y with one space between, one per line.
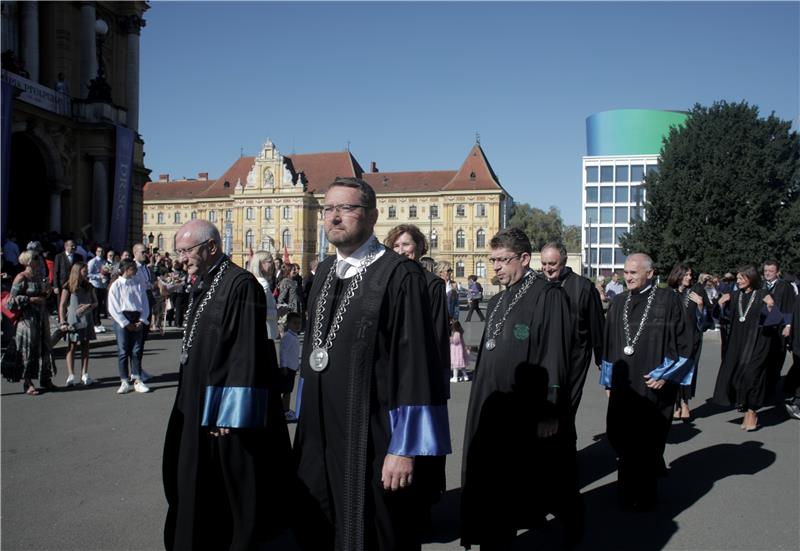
70 75
272 202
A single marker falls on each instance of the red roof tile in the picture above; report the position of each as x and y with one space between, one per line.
175 189
475 174
409 182
321 169
238 171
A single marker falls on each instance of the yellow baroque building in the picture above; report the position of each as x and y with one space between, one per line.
272 202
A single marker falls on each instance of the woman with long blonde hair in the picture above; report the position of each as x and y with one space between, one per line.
262 266
78 299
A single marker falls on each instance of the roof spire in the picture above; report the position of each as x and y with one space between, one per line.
348 146
477 138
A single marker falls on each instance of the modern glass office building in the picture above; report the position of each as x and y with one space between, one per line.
622 147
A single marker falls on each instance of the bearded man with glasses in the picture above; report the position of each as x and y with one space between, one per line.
227 452
518 462
373 395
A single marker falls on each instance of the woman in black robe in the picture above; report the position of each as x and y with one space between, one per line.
741 380
698 311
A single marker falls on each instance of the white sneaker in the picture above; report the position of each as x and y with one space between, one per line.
144 375
454 379
70 380
86 380
99 329
139 386
124 388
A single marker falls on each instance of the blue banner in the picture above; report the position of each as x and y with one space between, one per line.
123 192
7 98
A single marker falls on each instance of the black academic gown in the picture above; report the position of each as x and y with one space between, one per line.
783 294
638 417
227 492
382 392
510 477
698 320
588 322
742 377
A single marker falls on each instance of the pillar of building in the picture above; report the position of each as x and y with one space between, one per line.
88 47
29 47
100 199
132 26
55 211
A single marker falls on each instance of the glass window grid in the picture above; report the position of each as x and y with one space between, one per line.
606 236
412 211
592 174
606 194
460 268
606 215
606 173
591 194
621 173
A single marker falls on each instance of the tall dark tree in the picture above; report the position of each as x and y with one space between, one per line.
726 193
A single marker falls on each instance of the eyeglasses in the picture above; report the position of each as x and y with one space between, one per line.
503 260
342 208
187 250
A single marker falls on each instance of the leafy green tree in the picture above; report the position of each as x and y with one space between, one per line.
538 225
726 193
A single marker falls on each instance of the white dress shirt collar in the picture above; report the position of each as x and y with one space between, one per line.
348 266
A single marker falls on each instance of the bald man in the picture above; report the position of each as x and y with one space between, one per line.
226 453
646 353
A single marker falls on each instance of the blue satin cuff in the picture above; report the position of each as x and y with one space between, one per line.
605 373
771 318
236 407
678 371
419 430
787 317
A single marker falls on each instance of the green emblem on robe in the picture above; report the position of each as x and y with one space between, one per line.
522 331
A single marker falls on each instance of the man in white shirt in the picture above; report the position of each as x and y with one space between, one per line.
99 280
127 306
614 287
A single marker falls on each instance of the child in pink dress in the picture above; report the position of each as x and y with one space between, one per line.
458 353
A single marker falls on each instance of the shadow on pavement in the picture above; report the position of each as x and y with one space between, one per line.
690 478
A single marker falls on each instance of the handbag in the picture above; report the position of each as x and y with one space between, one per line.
12 315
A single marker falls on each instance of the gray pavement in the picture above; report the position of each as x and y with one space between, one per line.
81 469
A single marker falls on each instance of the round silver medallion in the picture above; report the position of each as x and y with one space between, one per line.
741 318
490 344
628 350
318 359
184 357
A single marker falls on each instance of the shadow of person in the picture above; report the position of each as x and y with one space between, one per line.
445 518
708 409
691 477
596 460
681 432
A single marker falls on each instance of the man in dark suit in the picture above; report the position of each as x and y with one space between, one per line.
63 264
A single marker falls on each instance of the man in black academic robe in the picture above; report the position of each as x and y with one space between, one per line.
783 295
588 317
643 367
372 393
519 453
793 404
227 464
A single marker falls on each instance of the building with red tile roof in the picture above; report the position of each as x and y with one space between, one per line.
271 202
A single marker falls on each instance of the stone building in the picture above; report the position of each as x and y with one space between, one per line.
73 161
271 202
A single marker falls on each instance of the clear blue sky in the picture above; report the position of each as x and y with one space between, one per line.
409 84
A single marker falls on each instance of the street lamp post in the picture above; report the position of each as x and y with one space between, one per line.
99 88
150 242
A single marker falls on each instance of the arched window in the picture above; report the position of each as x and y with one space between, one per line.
286 239
160 217
248 213
460 239
194 215
480 239
434 239
460 210
177 217
480 269
460 268
248 239
160 242
412 211
392 212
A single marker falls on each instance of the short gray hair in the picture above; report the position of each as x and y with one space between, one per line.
202 230
645 259
562 250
